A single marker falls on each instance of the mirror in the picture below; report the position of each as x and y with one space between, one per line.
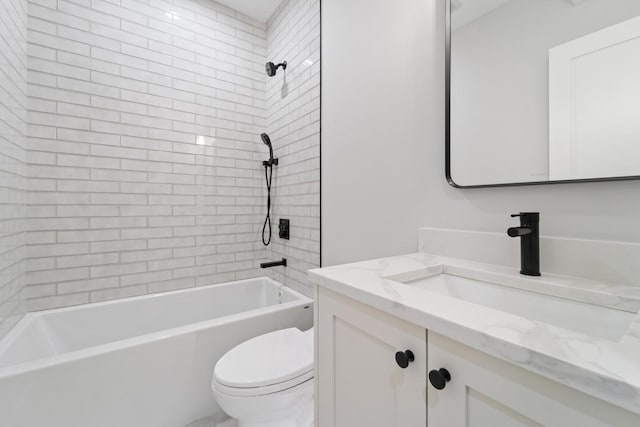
542 91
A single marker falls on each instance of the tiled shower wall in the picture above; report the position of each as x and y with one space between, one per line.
144 157
13 118
293 121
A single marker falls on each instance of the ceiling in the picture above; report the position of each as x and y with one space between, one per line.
466 11
260 10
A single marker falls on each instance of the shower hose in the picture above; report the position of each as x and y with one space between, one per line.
266 228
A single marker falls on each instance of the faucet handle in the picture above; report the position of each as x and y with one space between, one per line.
532 215
519 231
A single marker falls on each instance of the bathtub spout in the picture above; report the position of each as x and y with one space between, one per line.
283 263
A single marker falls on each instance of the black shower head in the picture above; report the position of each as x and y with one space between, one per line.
267 141
272 68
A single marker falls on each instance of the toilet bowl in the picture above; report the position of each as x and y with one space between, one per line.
267 381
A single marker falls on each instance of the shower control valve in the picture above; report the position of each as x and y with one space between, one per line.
283 228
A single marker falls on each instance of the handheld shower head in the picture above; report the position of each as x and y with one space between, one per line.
268 175
272 68
267 141
265 138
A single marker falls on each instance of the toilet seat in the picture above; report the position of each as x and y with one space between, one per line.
266 364
262 391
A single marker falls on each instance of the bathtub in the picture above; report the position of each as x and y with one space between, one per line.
137 362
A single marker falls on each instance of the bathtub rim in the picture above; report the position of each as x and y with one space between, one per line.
75 355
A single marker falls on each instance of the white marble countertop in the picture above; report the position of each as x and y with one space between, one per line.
607 369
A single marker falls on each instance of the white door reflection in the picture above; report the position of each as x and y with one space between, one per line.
594 104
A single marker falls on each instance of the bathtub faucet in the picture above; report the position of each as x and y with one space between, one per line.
282 262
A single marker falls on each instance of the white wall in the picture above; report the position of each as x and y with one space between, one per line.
382 208
13 118
293 122
145 150
376 126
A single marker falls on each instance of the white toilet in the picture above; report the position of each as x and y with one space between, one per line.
267 381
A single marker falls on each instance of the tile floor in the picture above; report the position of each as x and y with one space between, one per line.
219 420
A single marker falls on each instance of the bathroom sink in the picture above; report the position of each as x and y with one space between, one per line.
595 320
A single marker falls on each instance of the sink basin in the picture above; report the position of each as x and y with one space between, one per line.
594 320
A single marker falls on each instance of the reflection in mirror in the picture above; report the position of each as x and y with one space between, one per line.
544 90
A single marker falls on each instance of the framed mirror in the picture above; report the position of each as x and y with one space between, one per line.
542 91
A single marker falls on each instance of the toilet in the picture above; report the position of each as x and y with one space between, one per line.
267 381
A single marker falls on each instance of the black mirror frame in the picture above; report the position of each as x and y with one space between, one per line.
447 150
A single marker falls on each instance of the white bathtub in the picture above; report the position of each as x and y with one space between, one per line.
136 362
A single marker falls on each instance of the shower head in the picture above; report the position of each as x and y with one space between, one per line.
272 68
267 141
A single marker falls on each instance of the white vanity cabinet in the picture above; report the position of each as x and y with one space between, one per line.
487 392
359 382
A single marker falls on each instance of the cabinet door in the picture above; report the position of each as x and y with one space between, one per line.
359 382
487 392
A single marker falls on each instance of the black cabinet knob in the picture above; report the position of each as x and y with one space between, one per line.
439 378
403 358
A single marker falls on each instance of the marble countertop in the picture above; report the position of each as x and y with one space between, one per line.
607 369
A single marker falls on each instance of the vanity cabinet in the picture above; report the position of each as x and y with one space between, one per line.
359 381
485 391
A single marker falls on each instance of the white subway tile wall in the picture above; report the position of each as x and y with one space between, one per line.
293 122
144 150
13 120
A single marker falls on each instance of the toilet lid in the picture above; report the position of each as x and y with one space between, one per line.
268 359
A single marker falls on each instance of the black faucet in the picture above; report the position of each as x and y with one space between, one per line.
529 233
282 262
